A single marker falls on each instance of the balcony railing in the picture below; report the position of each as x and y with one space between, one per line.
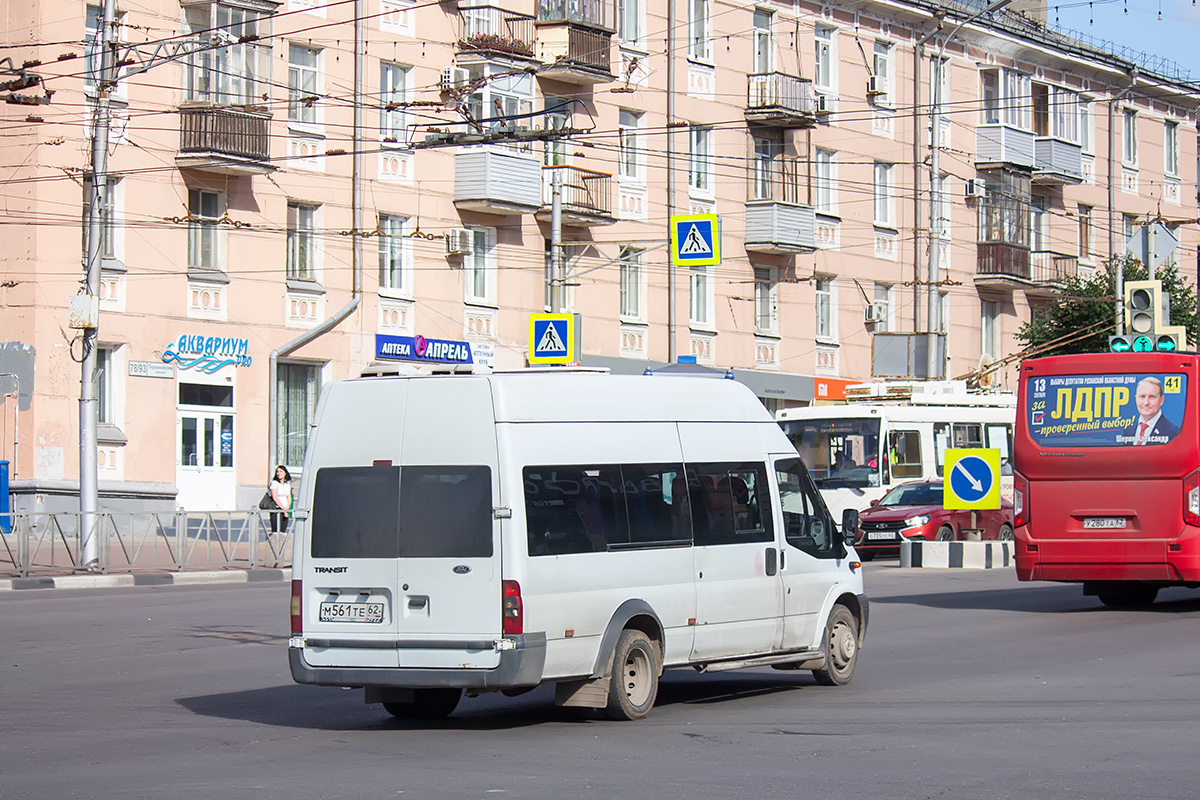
586 193
600 14
587 48
1047 267
1003 260
780 180
487 29
776 98
225 131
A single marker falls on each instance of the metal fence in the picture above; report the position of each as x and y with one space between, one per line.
141 542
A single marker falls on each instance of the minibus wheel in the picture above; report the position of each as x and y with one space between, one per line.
633 686
426 704
841 648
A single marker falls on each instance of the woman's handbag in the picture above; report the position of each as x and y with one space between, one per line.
268 503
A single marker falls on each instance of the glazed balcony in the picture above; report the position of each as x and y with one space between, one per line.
228 140
490 32
779 216
1000 143
779 100
587 196
1057 161
497 179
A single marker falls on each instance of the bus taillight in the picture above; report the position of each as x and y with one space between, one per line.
1191 499
1021 500
513 612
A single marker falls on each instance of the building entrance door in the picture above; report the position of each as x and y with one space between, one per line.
204 441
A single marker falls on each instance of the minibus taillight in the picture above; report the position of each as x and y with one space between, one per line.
1020 501
514 615
1191 499
297 617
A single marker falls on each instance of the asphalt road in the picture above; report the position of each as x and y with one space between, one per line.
970 686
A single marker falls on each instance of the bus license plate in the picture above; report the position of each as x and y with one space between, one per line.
351 612
886 535
1104 522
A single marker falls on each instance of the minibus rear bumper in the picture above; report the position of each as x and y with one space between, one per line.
521 666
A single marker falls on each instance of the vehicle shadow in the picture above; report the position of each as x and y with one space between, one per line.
1039 599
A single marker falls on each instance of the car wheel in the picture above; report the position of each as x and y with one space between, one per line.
945 534
1006 533
841 648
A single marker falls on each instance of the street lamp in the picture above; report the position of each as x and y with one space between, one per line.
935 232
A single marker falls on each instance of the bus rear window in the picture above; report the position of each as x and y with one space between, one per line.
1105 410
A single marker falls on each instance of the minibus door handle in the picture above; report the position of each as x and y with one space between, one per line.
771 567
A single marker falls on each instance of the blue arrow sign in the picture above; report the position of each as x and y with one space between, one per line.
971 479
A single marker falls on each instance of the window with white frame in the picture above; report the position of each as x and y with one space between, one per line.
106 378
1039 224
824 315
91 46
1087 125
765 301
941 204
700 162
629 144
990 328
885 204
393 94
1129 142
1171 148
700 30
701 297
1087 243
762 166
238 73
1005 96
1054 112
763 43
302 241
506 98
303 84
883 307
882 72
205 236
395 255
297 387
110 229
824 72
479 268
632 276
557 115
825 182
630 20
943 323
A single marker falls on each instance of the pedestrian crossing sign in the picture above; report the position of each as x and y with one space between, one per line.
553 339
696 240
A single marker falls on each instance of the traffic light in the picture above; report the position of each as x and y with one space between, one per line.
1147 321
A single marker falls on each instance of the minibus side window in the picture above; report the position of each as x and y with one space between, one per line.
904 454
806 524
727 503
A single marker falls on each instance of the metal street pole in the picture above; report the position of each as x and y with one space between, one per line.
672 346
556 239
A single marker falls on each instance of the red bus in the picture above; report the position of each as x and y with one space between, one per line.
1106 483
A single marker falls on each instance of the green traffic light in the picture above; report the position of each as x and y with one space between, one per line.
1143 344
1118 344
1166 343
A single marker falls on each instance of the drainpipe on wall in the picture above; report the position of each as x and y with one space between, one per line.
1112 200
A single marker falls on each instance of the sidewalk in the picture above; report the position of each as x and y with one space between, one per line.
125 579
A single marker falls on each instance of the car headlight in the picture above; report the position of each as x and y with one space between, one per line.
916 522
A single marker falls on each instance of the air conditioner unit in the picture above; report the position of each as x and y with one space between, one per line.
876 85
975 188
454 78
824 104
460 241
869 315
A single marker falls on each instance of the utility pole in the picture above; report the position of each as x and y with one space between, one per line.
556 239
672 346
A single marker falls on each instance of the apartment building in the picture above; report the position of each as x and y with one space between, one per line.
260 238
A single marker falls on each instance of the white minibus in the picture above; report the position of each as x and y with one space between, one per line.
495 532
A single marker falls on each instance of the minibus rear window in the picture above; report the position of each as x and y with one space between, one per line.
402 512
1117 409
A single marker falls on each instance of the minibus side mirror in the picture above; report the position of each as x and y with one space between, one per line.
849 531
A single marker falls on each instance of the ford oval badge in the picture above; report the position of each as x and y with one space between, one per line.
462 569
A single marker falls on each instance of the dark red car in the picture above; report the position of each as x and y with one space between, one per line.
914 511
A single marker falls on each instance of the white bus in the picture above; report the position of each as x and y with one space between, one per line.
888 434
495 532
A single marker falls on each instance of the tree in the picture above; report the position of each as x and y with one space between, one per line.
1086 308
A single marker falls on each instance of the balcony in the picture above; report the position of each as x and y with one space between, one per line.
228 140
998 143
779 100
496 179
490 32
1002 266
1057 161
574 40
779 218
586 196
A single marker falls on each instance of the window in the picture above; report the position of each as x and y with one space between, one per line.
882 67
1171 148
1129 143
1087 244
393 93
630 13
700 30
1004 209
240 72
557 113
904 454
884 200
990 328
764 45
301 242
762 165
479 268
807 526
296 387
701 297
941 205
954 434
989 90
302 84
108 217
504 96
1086 125
205 210
824 288
631 283
823 76
826 197
395 258
765 300
1039 224
700 162
105 381
943 325
728 504
1006 98
630 145
883 307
